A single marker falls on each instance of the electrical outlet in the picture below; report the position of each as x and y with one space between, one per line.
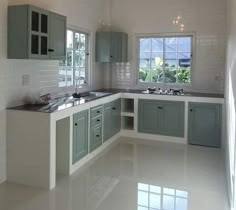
25 80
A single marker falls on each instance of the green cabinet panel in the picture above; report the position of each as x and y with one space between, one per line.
148 117
172 115
111 47
161 117
204 124
96 116
112 119
57 36
34 33
80 135
95 137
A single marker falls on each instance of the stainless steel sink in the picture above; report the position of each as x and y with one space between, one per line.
94 95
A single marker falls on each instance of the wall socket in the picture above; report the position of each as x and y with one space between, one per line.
25 80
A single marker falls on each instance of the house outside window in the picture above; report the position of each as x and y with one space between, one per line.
165 59
73 71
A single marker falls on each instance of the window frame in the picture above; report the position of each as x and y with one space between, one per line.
164 35
87 58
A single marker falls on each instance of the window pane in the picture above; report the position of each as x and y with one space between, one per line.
69 42
142 198
143 187
157 44
171 68
69 77
168 202
170 55
169 191
184 55
145 44
155 189
184 44
158 75
80 58
181 193
181 204
69 58
155 201
170 44
35 21
183 75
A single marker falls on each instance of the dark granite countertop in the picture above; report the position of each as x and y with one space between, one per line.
68 102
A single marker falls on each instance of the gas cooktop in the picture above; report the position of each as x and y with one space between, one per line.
159 91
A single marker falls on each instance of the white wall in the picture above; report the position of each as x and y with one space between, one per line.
85 14
230 95
205 17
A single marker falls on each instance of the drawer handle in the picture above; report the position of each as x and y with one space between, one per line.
191 110
98 112
97 135
114 108
76 124
98 120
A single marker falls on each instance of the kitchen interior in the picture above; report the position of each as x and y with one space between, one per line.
125 104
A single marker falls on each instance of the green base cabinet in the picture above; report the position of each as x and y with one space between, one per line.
112 119
34 33
161 117
204 124
80 135
96 117
111 47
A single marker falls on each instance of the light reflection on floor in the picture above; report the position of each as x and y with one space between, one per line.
133 175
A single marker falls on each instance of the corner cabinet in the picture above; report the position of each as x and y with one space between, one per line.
204 127
161 117
80 135
112 119
111 47
34 33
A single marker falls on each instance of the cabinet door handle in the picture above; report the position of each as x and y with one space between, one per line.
76 124
191 110
98 112
98 120
50 50
97 135
114 108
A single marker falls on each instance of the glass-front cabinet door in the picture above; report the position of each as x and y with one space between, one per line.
39 36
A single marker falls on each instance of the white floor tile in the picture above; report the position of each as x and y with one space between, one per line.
133 175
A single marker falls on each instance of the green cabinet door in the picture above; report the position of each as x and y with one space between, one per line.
116 117
204 124
161 117
95 137
149 116
112 119
107 123
172 114
103 47
111 47
57 36
80 135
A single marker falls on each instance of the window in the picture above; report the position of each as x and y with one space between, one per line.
151 197
165 59
74 69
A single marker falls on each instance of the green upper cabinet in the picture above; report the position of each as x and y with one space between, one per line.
111 47
34 33
112 119
204 125
161 117
80 135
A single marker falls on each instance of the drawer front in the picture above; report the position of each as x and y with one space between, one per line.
96 111
96 138
96 121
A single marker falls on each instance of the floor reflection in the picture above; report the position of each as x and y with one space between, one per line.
152 197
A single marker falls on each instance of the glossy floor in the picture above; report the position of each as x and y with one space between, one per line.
133 175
